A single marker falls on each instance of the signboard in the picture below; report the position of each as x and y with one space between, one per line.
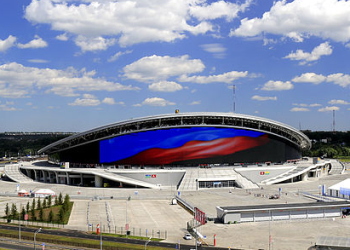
151 176
199 216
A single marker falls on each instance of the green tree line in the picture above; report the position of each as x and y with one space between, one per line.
329 144
23 145
43 210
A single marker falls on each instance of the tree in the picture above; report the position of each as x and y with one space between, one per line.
33 205
60 199
50 218
49 201
61 215
44 203
41 214
27 207
7 210
14 211
56 201
32 214
23 212
66 202
38 206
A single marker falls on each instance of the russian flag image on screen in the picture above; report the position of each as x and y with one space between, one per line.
167 146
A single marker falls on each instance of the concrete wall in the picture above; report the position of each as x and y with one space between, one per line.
281 214
158 177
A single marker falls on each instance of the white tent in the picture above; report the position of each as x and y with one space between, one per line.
340 190
44 193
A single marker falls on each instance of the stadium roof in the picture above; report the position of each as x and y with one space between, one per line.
182 120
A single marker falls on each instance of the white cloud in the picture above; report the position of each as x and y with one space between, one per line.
7 43
165 86
94 43
227 77
300 109
195 103
87 100
300 19
217 49
264 98
220 9
158 68
7 106
277 86
310 78
307 105
62 37
108 100
340 79
156 101
343 80
116 56
130 22
324 49
339 102
315 105
18 81
38 61
327 109
36 43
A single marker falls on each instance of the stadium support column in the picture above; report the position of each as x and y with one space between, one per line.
98 181
44 176
35 175
67 178
304 177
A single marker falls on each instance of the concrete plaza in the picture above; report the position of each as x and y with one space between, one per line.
150 212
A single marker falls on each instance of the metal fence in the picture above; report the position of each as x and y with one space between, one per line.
118 230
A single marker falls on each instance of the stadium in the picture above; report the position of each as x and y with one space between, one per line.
182 139
182 151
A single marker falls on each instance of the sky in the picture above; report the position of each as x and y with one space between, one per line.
71 66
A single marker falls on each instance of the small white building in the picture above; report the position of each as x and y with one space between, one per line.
44 193
340 190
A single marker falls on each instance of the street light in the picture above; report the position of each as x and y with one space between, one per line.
37 231
147 242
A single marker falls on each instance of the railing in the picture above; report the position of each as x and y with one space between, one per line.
118 230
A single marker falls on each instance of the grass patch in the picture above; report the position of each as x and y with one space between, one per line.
76 242
343 158
129 236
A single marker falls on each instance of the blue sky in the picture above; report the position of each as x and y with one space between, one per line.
76 65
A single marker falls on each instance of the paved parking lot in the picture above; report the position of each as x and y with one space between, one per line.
151 211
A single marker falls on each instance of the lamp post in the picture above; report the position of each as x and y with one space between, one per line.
37 231
19 224
148 241
126 216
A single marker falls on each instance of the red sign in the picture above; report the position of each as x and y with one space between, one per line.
26 217
199 216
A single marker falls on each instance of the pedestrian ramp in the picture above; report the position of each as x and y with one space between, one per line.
14 173
336 167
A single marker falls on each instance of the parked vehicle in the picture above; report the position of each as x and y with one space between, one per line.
188 237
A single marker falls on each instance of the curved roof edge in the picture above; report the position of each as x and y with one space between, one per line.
303 141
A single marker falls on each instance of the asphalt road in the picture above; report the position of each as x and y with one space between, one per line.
81 235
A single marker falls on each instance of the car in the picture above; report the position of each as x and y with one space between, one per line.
188 237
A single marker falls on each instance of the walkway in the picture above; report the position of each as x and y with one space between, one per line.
13 172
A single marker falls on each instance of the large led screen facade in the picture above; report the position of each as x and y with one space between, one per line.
192 145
